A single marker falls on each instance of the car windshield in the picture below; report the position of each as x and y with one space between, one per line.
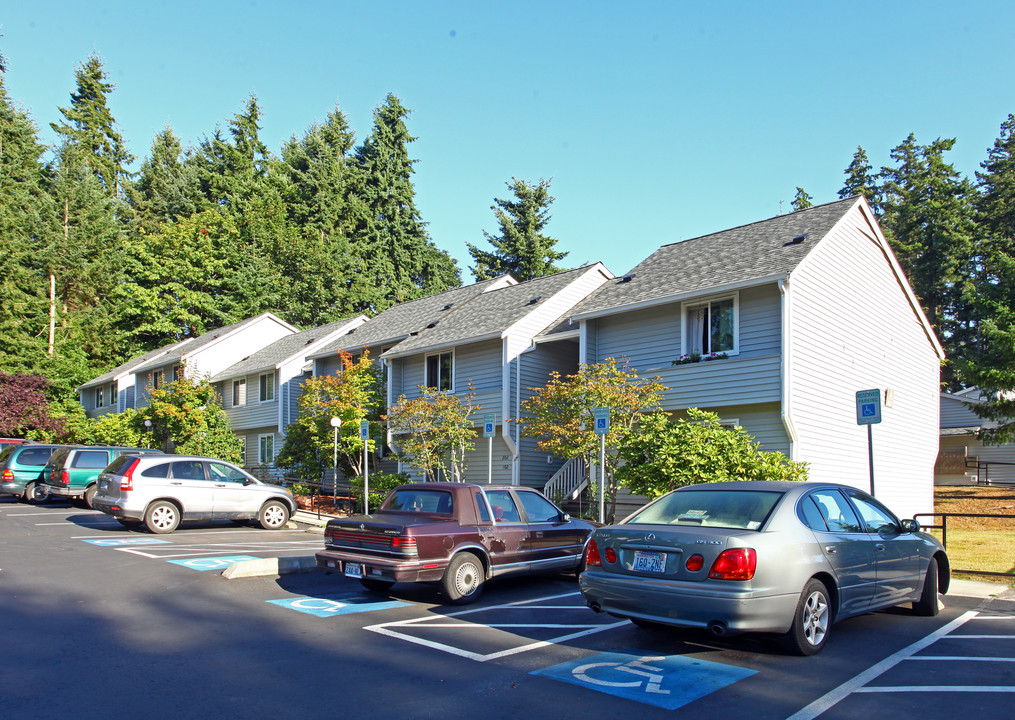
735 509
428 501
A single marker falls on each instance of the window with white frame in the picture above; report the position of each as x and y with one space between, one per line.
439 371
239 392
711 326
156 379
265 449
112 393
267 387
98 397
176 373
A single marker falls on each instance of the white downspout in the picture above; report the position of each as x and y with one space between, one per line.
786 367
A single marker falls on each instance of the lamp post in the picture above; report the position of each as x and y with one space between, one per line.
335 423
148 429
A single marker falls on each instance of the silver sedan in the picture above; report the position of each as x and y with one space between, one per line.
774 557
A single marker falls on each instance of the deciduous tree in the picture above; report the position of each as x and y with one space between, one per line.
187 415
434 432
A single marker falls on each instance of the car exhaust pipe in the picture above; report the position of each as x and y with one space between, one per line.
595 606
717 628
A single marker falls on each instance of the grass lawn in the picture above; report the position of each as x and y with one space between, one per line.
986 544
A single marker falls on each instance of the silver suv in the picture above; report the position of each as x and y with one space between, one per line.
162 490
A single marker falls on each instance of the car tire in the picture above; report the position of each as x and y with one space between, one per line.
89 494
34 494
162 517
274 515
812 621
928 605
463 579
375 585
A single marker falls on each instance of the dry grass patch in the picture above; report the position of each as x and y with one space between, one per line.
984 544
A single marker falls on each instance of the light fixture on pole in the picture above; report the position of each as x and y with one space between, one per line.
148 429
335 423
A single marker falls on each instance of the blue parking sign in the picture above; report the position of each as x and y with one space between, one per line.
868 407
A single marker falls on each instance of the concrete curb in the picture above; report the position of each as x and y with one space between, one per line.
980 589
269 566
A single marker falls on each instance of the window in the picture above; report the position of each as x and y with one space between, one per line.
239 392
538 509
112 393
503 506
828 511
188 470
265 449
876 517
267 383
176 373
91 459
98 397
711 326
156 379
438 371
221 472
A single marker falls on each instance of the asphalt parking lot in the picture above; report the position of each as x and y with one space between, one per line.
79 591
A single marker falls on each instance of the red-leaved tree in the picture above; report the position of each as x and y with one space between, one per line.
24 405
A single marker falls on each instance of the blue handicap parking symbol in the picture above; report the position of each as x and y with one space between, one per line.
329 606
119 542
663 681
212 563
868 410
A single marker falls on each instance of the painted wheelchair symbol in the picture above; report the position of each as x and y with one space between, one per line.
600 673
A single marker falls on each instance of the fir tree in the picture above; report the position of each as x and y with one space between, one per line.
165 186
861 180
802 201
521 249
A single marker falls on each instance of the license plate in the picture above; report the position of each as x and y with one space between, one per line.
649 561
353 570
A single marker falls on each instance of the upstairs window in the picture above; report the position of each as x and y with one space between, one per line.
156 379
439 371
239 392
267 387
98 397
711 326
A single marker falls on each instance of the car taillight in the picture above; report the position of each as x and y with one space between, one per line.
592 558
734 564
8 475
127 481
611 555
695 563
403 543
65 478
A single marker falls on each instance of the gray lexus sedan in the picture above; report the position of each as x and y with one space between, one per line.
755 556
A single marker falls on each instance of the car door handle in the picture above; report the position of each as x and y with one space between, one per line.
879 547
831 549
173 482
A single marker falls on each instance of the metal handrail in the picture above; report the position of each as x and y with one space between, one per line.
943 527
568 482
984 465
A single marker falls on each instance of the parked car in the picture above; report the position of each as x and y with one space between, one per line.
163 490
455 534
773 557
22 466
73 470
6 441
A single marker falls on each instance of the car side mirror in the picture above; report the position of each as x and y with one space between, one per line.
564 517
910 526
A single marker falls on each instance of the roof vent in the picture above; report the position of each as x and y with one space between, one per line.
310 341
449 306
627 278
534 300
800 238
433 324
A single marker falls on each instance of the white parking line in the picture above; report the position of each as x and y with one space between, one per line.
858 684
166 553
584 629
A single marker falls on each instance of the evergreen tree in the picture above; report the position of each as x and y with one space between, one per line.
232 169
89 127
24 205
861 180
401 262
990 364
166 185
927 217
802 201
521 249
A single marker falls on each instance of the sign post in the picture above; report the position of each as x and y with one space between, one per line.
336 422
868 412
489 430
601 416
364 435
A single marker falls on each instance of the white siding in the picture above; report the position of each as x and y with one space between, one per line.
852 328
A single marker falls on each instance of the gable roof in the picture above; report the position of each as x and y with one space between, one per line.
398 321
179 350
130 366
739 257
491 314
290 347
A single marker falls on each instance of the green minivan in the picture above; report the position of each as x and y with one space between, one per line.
22 467
73 470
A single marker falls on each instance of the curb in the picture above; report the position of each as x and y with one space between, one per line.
269 566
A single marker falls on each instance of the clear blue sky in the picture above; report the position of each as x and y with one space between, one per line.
656 121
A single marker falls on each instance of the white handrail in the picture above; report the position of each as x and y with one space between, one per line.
568 482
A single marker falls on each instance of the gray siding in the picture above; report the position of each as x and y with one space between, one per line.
955 413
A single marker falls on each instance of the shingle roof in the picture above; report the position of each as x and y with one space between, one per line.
489 314
130 365
759 250
283 349
398 321
179 350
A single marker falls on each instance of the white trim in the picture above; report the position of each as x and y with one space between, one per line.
785 366
260 458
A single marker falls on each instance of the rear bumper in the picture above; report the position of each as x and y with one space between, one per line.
15 487
334 560
64 490
116 509
688 605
